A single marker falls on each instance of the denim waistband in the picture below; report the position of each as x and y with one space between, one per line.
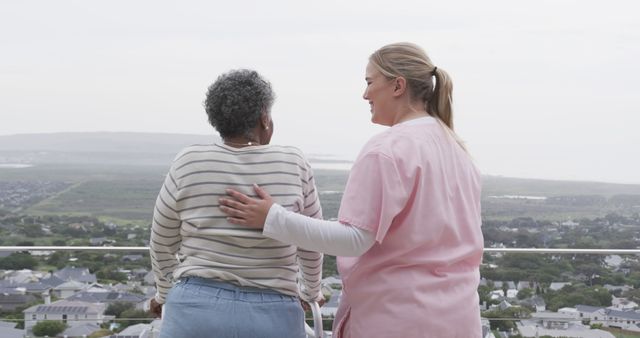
227 285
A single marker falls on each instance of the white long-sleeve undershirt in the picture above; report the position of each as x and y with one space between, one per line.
330 237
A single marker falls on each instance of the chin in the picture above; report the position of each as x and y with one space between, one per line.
378 122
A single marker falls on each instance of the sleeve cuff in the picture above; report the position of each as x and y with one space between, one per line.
274 221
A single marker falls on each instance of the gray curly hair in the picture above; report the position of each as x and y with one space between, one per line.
236 100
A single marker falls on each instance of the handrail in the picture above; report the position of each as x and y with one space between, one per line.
486 250
564 251
75 248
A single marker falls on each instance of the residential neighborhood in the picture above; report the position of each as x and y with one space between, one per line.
72 296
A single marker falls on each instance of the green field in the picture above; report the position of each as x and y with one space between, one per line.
118 198
128 193
621 333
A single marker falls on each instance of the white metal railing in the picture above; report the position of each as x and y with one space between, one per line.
486 250
564 251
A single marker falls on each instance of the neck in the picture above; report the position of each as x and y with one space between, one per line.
411 114
239 142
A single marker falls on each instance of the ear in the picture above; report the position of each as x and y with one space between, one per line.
265 120
400 86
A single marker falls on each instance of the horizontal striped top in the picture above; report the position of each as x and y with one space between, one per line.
190 236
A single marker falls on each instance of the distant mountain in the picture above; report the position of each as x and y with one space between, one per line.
157 149
97 148
510 186
115 148
111 142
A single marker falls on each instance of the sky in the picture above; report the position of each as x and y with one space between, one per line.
542 89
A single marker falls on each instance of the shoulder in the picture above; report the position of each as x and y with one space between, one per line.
391 143
193 150
286 149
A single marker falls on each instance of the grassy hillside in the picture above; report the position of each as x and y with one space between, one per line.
118 175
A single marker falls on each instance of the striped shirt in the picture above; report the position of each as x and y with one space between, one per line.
190 236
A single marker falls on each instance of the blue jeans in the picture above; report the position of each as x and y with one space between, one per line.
205 308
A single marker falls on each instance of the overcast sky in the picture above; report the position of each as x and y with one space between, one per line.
543 89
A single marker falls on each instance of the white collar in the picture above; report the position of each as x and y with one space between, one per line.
417 121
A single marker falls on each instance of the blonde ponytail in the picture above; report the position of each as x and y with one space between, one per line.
408 60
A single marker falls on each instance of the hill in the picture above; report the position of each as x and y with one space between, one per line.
119 174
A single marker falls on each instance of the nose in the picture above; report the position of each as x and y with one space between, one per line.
365 95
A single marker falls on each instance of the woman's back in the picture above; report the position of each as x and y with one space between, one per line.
424 268
209 246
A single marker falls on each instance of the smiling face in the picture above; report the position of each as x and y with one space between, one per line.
379 93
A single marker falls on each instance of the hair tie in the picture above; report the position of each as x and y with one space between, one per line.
434 70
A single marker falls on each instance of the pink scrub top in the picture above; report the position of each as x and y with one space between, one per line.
418 191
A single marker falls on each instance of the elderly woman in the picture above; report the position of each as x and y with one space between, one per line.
214 278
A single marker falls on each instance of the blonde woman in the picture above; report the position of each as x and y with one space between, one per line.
408 233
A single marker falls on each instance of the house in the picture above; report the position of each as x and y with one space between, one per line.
593 314
109 297
535 302
622 304
333 281
139 273
67 289
22 276
81 275
613 261
72 313
621 288
11 301
555 286
123 287
533 330
496 294
131 258
525 285
52 281
36 288
96 287
331 307
569 312
553 320
625 320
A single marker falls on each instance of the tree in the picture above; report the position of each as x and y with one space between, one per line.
116 309
18 261
32 230
571 295
525 293
59 259
134 316
49 328
111 273
100 333
501 322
